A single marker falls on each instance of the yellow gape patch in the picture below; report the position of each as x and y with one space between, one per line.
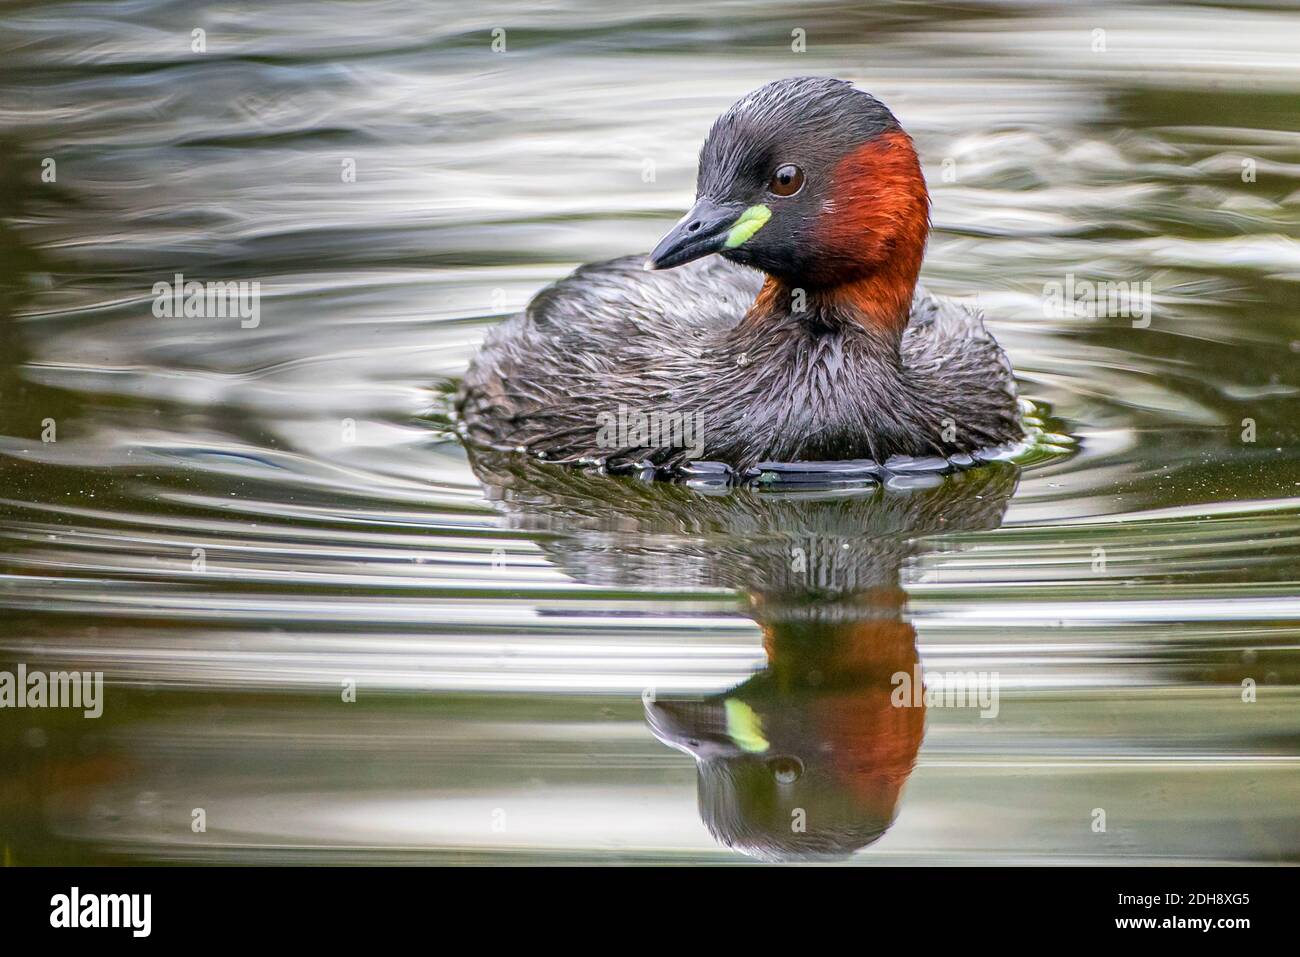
750 222
744 726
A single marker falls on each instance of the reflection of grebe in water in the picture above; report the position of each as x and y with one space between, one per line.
805 759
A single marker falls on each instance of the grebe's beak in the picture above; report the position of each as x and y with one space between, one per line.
704 230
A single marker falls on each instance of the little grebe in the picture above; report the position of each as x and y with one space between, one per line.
836 354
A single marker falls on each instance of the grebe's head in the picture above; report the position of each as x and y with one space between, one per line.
811 181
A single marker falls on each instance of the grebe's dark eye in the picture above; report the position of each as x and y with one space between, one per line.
786 181
786 770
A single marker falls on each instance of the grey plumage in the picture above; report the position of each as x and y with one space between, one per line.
791 389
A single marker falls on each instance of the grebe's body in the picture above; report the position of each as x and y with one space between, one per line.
765 387
836 354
